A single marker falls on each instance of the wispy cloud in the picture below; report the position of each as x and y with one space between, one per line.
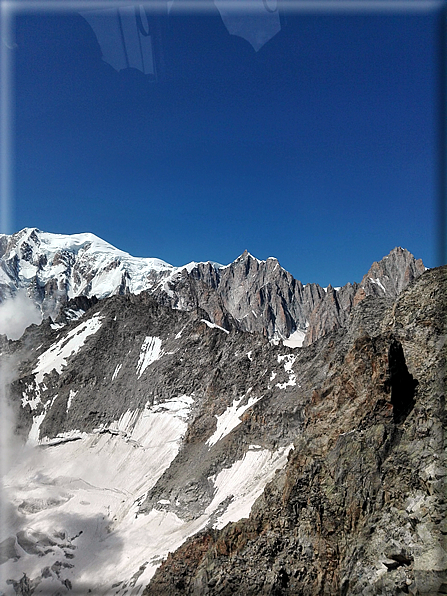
16 314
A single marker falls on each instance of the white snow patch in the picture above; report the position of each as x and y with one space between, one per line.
245 481
295 340
290 383
249 356
179 334
168 290
71 395
150 352
213 325
378 283
27 270
180 406
347 433
116 371
125 424
231 418
33 436
33 400
189 266
65 437
140 426
55 358
288 360
74 315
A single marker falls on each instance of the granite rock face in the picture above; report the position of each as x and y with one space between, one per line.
360 506
392 274
387 277
255 296
248 294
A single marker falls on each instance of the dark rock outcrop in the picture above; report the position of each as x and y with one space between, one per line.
387 277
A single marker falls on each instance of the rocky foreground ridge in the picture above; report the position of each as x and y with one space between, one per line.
248 294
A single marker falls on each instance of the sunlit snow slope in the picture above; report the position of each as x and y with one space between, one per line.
74 265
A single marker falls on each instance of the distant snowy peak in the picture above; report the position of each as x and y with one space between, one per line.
30 244
33 245
57 267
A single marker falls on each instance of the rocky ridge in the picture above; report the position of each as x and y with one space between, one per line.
197 420
177 403
248 294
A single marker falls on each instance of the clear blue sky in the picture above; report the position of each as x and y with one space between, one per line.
320 148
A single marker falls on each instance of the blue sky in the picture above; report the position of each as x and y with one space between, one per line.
319 148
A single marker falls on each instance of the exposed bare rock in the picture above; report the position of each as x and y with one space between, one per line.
191 421
392 274
387 277
248 294
360 507
255 296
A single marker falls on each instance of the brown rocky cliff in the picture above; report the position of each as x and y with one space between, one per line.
262 297
360 506
388 277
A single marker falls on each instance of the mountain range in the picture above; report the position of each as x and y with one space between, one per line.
248 294
214 429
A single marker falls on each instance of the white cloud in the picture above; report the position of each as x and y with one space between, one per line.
16 314
10 444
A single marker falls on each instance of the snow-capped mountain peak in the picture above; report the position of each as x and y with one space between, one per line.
54 267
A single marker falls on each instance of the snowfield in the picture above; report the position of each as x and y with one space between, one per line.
230 419
150 352
70 504
55 358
